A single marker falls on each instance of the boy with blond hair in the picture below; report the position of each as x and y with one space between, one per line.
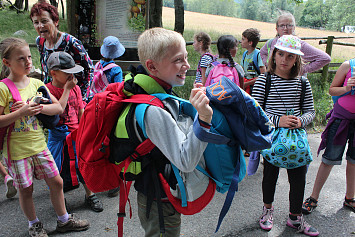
163 54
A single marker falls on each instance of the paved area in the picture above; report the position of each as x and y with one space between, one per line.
330 217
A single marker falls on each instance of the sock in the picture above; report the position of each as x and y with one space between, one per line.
64 218
292 217
30 223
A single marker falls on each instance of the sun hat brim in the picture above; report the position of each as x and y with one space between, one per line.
294 51
106 53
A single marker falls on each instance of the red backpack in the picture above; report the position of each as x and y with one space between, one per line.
93 137
8 129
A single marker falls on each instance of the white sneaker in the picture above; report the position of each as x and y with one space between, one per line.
10 189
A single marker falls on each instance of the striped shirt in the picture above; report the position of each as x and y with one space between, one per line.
205 61
285 94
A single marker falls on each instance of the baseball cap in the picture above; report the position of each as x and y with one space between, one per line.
289 43
112 48
64 62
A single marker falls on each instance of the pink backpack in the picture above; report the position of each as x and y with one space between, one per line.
219 70
99 81
8 129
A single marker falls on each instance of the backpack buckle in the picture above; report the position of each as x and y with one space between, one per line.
134 155
103 148
121 214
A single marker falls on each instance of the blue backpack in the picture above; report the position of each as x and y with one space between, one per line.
255 60
225 163
352 68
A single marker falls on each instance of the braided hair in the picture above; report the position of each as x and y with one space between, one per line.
224 44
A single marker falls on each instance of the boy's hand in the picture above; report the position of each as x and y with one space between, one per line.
200 101
71 82
290 121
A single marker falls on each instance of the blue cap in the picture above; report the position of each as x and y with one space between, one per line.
112 48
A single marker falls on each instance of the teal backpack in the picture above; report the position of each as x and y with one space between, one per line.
255 60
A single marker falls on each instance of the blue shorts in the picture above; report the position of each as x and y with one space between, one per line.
334 153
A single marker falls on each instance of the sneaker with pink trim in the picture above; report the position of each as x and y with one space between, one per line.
266 219
302 226
10 189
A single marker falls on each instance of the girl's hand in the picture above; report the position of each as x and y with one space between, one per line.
200 101
290 121
30 109
350 83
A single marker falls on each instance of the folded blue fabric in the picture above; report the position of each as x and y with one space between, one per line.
254 160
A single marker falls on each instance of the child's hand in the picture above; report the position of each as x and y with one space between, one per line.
290 121
200 101
350 83
71 82
27 109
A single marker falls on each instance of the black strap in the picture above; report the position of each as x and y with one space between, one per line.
268 85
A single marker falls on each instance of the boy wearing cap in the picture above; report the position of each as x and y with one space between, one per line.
61 66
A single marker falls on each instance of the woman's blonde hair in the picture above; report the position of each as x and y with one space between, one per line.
154 43
287 15
6 48
295 70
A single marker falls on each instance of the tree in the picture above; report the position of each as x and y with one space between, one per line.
315 14
341 14
179 16
155 13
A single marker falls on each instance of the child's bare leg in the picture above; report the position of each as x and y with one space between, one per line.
87 191
55 185
26 202
322 176
3 171
350 181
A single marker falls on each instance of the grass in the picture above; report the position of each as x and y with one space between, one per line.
11 22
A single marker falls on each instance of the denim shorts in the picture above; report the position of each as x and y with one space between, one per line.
334 153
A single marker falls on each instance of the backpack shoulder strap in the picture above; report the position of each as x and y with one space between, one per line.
267 88
244 55
303 90
109 66
255 61
13 89
352 66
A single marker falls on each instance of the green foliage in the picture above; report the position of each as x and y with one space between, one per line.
322 100
342 13
215 7
315 13
137 23
12 22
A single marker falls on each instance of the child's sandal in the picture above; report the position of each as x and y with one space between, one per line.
309 205
347 203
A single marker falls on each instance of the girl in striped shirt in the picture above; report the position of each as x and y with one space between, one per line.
285 96
202 43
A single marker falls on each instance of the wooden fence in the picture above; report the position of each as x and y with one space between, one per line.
325 71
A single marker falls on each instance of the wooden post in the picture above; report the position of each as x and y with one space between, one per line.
328 50
72 17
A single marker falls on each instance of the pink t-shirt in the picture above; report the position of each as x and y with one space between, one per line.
347 101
